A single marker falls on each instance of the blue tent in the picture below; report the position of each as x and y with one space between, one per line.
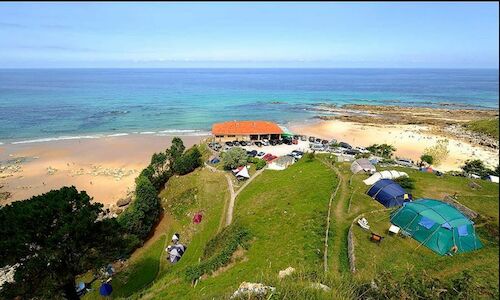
105 289
388 193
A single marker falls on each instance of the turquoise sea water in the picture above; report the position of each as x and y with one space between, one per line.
54 103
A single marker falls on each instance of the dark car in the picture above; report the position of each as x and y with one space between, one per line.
243 143
324 142
312 139
351 152
273 142
236 143
252 153
258 144
345 145
230 144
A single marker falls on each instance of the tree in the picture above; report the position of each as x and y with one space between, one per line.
188 162
427 158
383 150
176 149
54 237
234 158
475 166
140 217
439 151
310 156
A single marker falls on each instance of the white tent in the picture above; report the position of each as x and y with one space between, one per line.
243 173
493 178
362 165
281 163
392 174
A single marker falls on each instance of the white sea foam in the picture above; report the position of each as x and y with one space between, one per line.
147 132
117 134
60 138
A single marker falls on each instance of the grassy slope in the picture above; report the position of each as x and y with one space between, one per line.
285 212
149 262
397 255
486 126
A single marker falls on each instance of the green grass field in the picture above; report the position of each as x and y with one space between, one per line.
285 213
486 126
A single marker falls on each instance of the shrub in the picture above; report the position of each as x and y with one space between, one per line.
310 156
475 166
383 150
140 217
234 157
259 163
219 250
439 152
427 159
188 161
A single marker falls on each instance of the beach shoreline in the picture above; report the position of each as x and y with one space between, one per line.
104 167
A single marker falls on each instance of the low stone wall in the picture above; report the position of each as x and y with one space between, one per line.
350 250
464 209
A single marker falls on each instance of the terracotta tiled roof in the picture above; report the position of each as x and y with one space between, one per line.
245 127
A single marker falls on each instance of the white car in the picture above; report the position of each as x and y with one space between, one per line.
265 143
362 150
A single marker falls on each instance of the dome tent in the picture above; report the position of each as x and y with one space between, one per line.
388 193
392 174
362 165
437 225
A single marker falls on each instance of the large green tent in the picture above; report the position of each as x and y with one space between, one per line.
437 225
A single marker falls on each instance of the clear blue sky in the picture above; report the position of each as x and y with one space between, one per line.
438 35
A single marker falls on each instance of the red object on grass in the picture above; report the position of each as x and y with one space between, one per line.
197 218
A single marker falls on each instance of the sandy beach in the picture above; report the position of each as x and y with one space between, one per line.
410 140
104 167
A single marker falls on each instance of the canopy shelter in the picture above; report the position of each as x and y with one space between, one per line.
388 193
286 132
243 173
362 165
437 225
175 252
392 174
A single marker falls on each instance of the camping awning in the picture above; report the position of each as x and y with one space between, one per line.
243 173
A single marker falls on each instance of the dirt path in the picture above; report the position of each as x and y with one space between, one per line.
229 217
338 197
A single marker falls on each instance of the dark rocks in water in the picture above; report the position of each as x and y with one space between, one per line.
124 201
277 102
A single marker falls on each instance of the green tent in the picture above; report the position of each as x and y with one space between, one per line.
437 225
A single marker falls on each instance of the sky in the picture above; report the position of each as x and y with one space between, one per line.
245 34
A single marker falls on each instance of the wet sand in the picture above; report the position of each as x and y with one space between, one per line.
410 140
104 167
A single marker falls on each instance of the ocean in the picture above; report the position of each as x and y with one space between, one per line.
49 104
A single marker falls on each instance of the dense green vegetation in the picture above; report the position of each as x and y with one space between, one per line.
234 158
382 150
486 126
55 237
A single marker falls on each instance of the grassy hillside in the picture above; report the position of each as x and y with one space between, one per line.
486 126
285 213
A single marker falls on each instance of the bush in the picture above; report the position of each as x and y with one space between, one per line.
427 159
259 163
477 167
439 152
310 156
140 217
234 157
188 161
219 250
383 150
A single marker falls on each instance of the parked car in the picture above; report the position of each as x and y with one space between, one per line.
303 138
351 152
404 162
317 147
265 142
345 145
296 137
312 139
295 142
273 142
287 141
252 153
324 142
230 144
362 150
243 143
260 154
317 141
258 144
236 143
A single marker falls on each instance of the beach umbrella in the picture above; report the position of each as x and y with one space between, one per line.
105 289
